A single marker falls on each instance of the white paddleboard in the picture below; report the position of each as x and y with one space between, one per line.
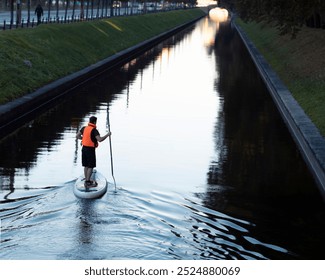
97 191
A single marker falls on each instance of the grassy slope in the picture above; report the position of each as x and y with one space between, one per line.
299 63
30 58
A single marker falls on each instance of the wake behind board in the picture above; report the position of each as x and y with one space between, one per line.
97 191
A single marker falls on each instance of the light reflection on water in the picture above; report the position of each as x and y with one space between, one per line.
184 159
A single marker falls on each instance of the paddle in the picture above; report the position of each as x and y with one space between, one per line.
110 146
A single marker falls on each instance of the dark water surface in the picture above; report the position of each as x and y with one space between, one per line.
204 165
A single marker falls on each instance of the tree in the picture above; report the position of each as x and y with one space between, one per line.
57 11
289 15
12 12
66 10
73 9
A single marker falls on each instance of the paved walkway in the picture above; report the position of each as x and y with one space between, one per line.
306 135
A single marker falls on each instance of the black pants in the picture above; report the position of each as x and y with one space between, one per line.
88 157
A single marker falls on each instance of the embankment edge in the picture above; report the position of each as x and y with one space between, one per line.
306 135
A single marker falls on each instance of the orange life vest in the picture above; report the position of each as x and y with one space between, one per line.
86 136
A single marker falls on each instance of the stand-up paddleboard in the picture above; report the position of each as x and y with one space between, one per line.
94 191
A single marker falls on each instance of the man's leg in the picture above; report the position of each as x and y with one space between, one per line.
88 172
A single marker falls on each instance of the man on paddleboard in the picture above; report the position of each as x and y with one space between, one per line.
90 137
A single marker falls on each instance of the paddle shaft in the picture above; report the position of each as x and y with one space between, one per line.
110 147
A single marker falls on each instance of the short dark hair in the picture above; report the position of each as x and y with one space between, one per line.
93 119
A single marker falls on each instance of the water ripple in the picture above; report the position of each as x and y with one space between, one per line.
124 225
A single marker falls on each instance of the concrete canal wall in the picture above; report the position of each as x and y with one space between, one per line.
306 135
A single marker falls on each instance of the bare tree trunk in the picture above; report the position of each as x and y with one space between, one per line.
82 12
57 10
11 12
18 12
49 12
66 10
73 9
28 12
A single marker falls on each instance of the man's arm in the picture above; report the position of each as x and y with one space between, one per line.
100 138
79 135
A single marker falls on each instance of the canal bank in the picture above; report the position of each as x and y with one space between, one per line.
23 109
306 135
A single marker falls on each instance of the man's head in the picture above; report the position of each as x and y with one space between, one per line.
93 119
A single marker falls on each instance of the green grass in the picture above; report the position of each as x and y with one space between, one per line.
31 58
298 62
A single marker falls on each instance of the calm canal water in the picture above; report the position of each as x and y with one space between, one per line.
205 168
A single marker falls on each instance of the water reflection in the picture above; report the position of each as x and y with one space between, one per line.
258 165
250 127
